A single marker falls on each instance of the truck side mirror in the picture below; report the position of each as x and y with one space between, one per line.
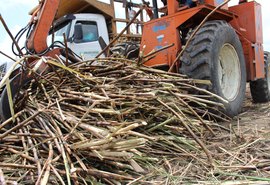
78 33
103 45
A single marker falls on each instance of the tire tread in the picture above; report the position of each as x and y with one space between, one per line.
259 89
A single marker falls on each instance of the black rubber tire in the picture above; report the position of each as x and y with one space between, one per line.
200 60
5 112
16 83
260 89
129 50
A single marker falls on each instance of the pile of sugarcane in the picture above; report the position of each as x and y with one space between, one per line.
110 121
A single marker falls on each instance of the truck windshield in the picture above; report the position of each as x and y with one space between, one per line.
63 30
58 32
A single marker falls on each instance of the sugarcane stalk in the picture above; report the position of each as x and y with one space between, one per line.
190 131
11 165
2 177
104 174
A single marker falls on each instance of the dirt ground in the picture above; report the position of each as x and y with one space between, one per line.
254 117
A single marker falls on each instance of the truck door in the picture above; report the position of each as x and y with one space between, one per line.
87 47
93 26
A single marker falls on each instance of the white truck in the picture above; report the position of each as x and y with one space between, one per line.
82 32
85 23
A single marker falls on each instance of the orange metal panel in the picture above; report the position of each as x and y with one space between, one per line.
162 32
173 5
249 56
216 3
250 20
254 56
259 60
157 35
248 23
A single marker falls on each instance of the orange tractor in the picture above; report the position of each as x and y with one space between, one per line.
227 49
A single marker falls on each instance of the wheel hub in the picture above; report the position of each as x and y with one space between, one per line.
229 72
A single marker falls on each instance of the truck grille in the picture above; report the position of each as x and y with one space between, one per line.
3 70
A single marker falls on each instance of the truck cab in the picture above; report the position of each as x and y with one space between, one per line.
82 32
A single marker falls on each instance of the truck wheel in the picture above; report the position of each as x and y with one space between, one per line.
216 54
15 86
16 83
260 89
129 50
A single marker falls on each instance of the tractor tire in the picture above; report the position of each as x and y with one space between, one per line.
260 89
129 50
215 53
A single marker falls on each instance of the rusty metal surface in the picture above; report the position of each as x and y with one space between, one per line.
78 6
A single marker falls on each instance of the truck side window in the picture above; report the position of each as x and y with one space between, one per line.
89 31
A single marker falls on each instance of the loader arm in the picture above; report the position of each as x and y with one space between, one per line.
36 43
42 21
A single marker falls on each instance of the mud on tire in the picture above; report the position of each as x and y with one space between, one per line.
206 58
